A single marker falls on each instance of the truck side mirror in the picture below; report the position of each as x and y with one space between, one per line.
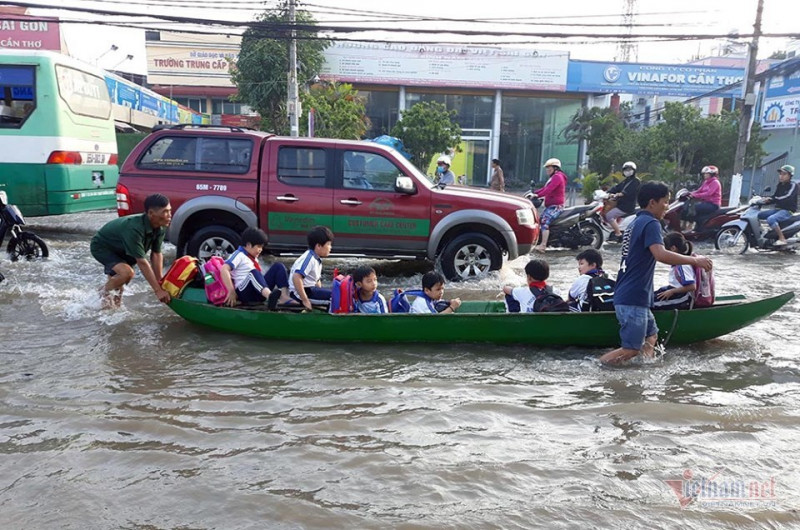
405 185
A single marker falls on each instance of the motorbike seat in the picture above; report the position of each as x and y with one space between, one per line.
790 221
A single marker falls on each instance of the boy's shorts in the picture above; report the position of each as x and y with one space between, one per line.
109 258
636 323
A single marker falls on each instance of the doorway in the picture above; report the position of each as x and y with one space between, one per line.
476 146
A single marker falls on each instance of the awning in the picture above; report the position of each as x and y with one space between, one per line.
205 91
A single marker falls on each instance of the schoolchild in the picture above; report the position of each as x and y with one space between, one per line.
522 299
305 285
244 279
590 265
433 291
642 246
682 282
368 299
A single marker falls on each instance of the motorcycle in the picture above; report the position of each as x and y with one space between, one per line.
608 204
735 237
705 227
576 226
21 244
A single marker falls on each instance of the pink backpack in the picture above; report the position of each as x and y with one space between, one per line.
216 292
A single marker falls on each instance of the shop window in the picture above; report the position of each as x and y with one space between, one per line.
472 111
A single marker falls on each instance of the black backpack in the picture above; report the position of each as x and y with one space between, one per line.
546 301
600 294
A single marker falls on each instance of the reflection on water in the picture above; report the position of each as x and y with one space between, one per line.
137 419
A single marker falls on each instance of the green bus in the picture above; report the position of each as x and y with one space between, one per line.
58 149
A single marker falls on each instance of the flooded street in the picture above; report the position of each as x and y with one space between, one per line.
137 419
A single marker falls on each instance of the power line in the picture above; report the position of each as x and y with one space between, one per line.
356 29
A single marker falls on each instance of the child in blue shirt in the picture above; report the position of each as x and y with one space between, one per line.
433 291
522 299
242 274
642 246
590 265
368 299
305 285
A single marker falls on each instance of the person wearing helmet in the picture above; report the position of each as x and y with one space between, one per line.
708 195
443 173
625 193
785 201
553 194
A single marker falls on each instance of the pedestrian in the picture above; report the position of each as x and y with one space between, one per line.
642 246
498 182
443 174
624 194
553 193
124 242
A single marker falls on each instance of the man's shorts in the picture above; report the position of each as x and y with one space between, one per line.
636 323
108 258
548 215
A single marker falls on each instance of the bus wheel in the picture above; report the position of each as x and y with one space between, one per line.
214 240
27 246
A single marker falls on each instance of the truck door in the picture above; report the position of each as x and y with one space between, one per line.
298 192
369 216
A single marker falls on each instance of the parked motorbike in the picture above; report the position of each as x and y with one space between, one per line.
576 226
22 243
735 237
705 227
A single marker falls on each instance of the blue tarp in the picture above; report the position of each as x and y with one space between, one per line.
394 143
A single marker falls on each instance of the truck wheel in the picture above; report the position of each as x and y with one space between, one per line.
214 240
470 256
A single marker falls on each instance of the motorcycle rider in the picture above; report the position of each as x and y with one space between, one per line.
708 195
625 193
785 200
553 193
443 172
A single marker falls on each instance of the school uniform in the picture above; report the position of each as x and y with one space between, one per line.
309 267
376 304
679 276
249 280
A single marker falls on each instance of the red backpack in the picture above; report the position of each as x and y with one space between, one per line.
182 271
343 293
704 287
216 292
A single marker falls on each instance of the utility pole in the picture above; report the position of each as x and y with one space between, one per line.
749 97
293 103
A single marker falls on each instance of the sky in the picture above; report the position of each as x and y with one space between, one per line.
688 17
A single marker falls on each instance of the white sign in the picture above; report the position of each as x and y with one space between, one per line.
780 113
446 65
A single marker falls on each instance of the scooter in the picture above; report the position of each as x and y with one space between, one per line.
608 204
576 226
705 227
735 237
21 244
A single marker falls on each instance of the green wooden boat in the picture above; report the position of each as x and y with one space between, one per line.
476 321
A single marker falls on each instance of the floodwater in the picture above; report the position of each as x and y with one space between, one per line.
137 419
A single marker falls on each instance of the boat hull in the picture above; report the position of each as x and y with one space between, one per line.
475 322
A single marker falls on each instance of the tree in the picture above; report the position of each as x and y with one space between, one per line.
261 72
611 140
426 129
338 111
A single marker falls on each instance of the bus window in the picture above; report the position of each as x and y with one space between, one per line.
17 95
84 93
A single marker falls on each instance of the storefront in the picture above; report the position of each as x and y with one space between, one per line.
510 103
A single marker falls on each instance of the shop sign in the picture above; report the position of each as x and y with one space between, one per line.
653 79
20 32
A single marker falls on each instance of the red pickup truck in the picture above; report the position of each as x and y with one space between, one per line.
221 180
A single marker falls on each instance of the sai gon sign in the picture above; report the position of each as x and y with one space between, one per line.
19 32
652 79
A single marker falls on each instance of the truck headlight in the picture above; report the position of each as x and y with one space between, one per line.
525 217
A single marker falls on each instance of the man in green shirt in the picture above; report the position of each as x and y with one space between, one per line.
124 242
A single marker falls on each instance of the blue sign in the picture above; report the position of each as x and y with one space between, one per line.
652 79
22 93
16 75
784 85
149 104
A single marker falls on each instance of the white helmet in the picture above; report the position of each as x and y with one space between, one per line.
443 158
629 164
709 169
553 162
